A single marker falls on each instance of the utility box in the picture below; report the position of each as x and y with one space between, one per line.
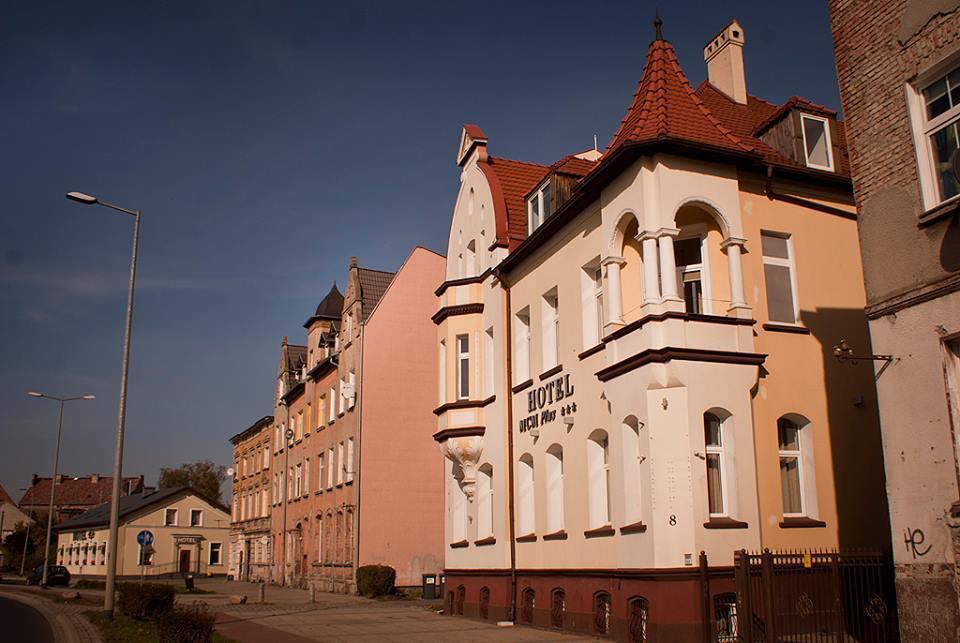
430 588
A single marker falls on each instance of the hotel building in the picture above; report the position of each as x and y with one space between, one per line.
636 360
356 403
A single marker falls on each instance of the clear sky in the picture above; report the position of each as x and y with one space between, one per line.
266 143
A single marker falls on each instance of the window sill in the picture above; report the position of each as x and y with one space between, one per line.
801 522
459 544
600 532
552 371
557 535
522 385
786 328
724 523
937 212
527 538
591 351
634 528
489 540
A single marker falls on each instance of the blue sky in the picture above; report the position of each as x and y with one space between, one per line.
266 143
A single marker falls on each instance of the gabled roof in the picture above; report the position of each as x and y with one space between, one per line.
665 107
292 359
513 180
254 428
100 515
573 165
76 491
5 497
373 283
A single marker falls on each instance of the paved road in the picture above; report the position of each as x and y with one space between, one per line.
23 623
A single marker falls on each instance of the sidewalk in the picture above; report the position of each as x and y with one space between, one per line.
67 620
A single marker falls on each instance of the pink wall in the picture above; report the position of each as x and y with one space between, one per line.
401 472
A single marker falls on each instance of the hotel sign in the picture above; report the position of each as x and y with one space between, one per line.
546 401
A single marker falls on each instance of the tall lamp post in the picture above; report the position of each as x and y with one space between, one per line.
56 467
108 595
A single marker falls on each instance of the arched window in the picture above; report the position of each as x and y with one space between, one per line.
553 470
598 478
449 607
558 607
725 615
328 531
338 546
714 439
484 602
348 536
637 611
471 258
601 613
525 505
485 501
461 596
635 452
320 534
527 603
797 474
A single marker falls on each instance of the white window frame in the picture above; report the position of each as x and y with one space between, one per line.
488 348
697 232
320 470
442 392
298 480
829 141
330 467
485 501
176 517
550 329
554 473
333 408
791 264
306 476
720 451
200 521
210 548
923 129
598 479
349 471
463 360
342 463
801 477
526 496
535 221
522 350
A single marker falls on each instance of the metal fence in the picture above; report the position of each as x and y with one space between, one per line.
819 596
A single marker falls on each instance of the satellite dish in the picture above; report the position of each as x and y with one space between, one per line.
230 471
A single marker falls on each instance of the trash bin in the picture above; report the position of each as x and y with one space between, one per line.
430 587
188 581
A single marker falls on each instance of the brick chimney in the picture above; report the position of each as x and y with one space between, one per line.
724 58
34 480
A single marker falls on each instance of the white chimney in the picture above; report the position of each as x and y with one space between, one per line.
724 58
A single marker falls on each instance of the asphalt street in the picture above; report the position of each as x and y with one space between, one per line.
19 622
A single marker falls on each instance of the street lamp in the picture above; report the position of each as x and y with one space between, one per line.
56 466
108 597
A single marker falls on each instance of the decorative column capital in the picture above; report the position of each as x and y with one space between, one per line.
733 241
667 232
612 260
465 451
646 234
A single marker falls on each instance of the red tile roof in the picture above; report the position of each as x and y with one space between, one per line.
76 491
666 107
573 165
513 180
474 132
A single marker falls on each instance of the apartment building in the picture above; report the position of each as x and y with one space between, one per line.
250 553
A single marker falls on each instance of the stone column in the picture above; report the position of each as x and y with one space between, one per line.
651 271
668 264
613 293
734 248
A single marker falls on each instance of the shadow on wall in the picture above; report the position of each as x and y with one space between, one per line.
854 422
950 246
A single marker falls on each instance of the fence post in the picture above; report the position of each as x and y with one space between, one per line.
260 592
741 563
769 607
705 597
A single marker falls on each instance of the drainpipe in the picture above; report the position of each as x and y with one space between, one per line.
769 192
357 452
509 402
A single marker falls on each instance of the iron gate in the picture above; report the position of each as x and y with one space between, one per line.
821 596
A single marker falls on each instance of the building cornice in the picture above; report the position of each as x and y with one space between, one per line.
465 281
669 353
454 311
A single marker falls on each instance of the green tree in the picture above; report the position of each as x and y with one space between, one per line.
13 547
204 476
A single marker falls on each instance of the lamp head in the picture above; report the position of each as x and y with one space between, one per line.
89 397
80 197
34 394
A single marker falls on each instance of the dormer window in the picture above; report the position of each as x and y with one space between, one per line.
539 207
817 145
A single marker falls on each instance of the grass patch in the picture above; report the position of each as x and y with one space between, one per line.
123 629
180 589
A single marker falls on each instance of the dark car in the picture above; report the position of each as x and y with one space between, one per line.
56 575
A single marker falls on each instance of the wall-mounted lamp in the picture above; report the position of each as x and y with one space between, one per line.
844 353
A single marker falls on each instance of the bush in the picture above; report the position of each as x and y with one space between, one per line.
186 625
145 601
376 580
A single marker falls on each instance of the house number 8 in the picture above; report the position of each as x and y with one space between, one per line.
673 520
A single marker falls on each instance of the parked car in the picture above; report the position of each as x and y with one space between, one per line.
56 575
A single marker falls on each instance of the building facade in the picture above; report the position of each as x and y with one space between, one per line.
636 358
250 553
898 64
356 403
74 494
190 534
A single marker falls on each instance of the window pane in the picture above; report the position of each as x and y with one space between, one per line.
714 492
547 205
815 133
774 246
779 294
464 377
944 142
711 430
936 98
790 485
788 434
954 81
463 342
688 251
